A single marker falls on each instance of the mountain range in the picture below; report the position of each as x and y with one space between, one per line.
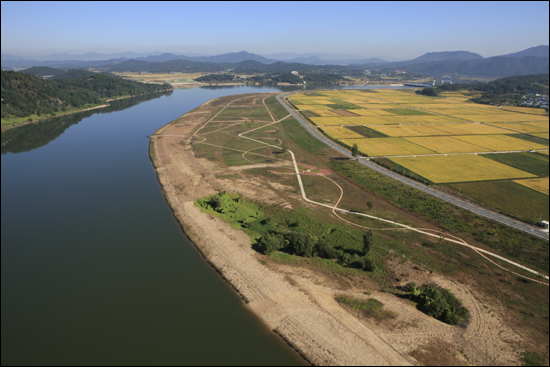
530 61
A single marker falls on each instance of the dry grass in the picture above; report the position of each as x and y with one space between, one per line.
460 168
500 142
538 184
446 144
377 147
525 127
338 132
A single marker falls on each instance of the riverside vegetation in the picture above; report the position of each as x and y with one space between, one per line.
26 97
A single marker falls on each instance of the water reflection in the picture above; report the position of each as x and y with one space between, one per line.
29 137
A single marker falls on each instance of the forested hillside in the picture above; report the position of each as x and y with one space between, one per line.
27 95
510 89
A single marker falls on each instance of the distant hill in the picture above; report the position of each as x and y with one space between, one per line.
314 60
509 90
41 71
75 74
182 66
446 55
232 57
26 94
538 51
498 66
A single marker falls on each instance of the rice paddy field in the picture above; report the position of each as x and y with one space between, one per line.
460 168
538 184
338 132
480 149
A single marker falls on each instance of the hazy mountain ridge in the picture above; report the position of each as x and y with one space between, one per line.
524 62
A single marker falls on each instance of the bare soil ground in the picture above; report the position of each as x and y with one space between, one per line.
298 302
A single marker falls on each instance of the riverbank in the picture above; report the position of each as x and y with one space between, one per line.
13 124
295 297
303 313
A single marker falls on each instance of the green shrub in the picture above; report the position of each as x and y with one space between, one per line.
439 303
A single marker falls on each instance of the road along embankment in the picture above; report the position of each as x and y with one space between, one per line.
305 314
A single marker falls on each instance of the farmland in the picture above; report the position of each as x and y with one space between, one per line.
509 197
538 184
415 133
460 168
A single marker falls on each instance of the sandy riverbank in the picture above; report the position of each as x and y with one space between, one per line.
297 303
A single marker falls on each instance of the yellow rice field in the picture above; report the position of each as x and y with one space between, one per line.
325 113
500 142
538 184
372 112
533 111
525 127
468 129
328 121
503 117
338 132
427 119
460 168
542 135
446 144
410 130
306 107
459 111
377 147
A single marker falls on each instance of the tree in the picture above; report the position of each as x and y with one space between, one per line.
355 150
370 205
367 242
270 242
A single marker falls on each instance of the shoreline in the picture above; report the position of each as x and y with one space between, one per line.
304 314
107 104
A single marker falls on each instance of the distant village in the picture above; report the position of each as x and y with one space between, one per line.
535 100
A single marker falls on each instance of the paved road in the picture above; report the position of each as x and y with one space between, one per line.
417 185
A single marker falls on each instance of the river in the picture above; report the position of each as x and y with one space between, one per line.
95 269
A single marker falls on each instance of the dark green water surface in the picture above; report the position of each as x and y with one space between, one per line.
95 270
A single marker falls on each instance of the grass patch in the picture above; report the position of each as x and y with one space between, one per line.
531 359
509 197
300 136
531 139
537 164
366 132
370 308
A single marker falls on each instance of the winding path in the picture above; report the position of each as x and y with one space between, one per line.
448 198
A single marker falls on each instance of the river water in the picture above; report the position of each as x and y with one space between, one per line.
95 269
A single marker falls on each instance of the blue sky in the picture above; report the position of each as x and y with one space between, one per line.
402 30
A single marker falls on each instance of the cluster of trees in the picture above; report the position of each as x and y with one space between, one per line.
306 245
497 92
26 94
215 78
272 79
438 302
505 90
430 92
